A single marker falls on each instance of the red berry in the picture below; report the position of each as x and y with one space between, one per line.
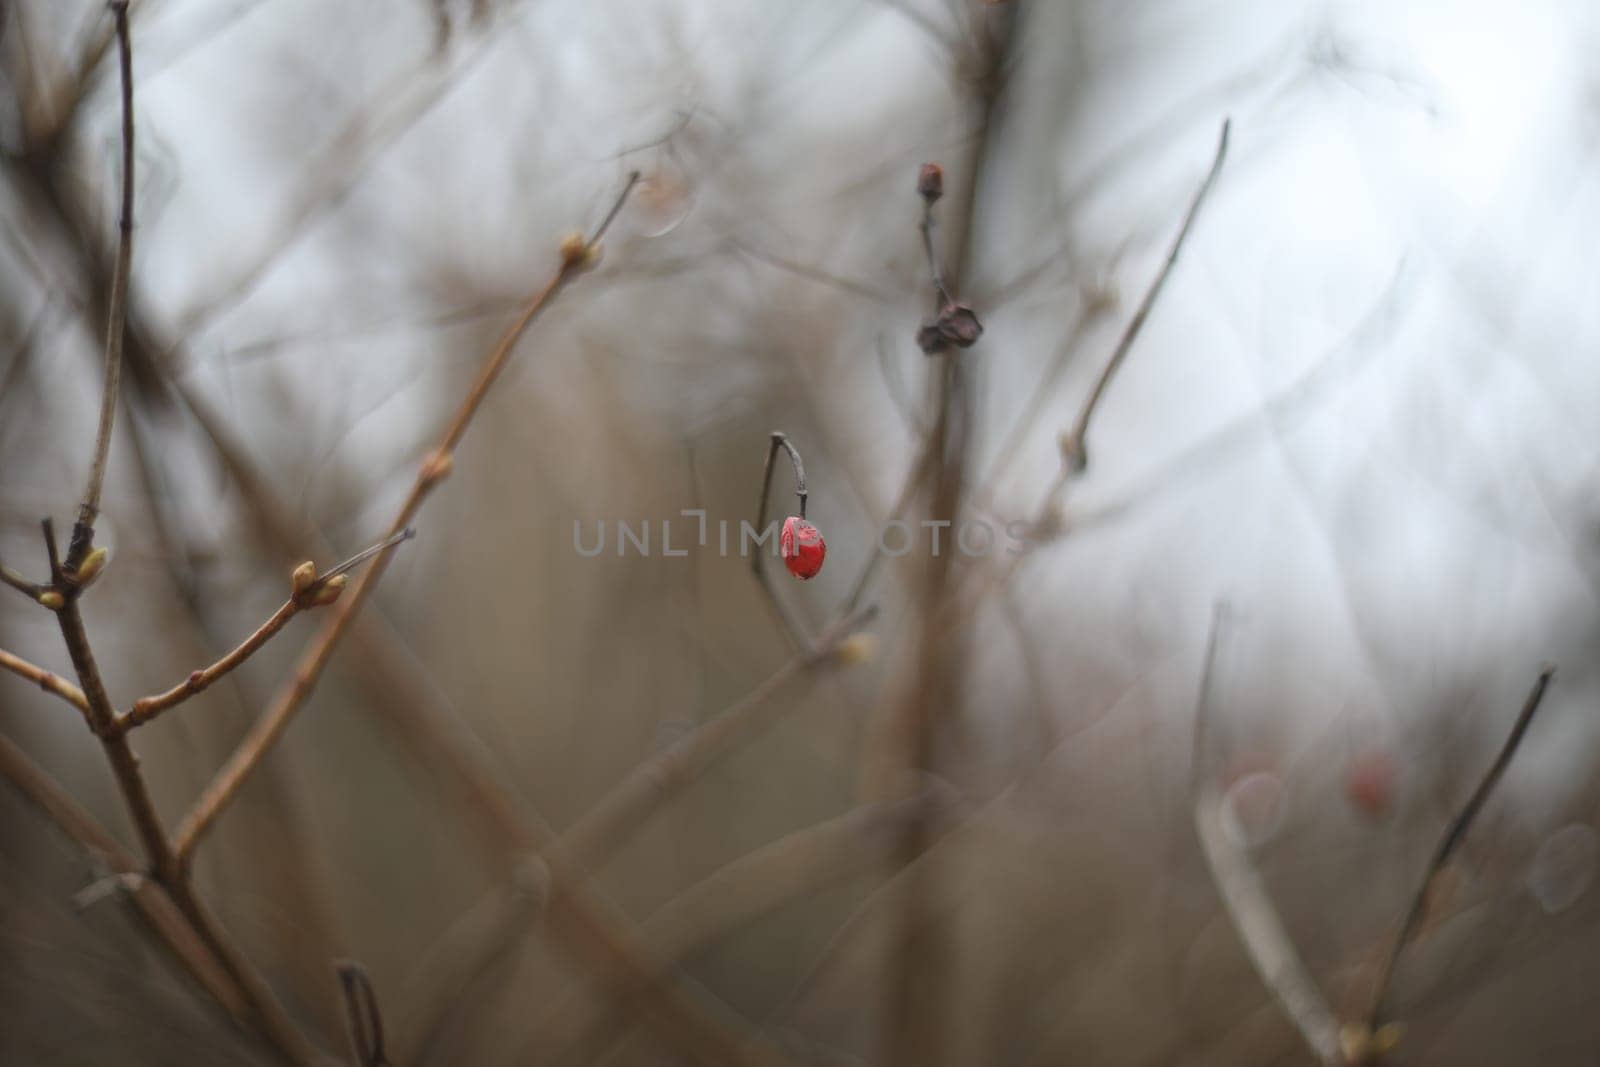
800 544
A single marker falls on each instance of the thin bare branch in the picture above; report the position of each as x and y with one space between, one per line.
267 1015
31 590
83 533
304 598
1074 447
1245 897
49 681
68 581
1021 428
225 786
147 708
1450 841
102 717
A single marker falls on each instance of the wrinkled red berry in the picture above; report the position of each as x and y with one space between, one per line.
956 325
801 546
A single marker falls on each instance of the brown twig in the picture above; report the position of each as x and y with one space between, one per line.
1074 454
68 581
147 708
1245 897
290 867
83 531
1074 446
31 590
307 596
577 924
1450 841
49 681
267 1014
102 719
576 258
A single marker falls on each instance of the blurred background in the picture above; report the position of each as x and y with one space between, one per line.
1362 415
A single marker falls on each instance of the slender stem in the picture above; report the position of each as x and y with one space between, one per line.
799 471
266 730
1074 446
83 531
778 440
365 554
934 271
102 720
268 1015
263 1010
49 681
1451 840
781 440
1075 457
31 590
147 708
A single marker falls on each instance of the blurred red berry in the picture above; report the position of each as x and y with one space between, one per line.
801 546
1369 783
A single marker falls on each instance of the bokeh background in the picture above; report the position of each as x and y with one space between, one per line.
1362 415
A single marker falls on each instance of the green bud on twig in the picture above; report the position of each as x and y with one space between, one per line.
301 577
